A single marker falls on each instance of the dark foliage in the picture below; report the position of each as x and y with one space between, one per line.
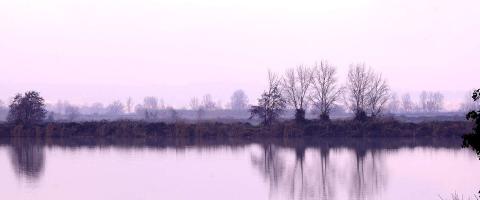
27 109
300 115
473 139
361 115
286 129
269 107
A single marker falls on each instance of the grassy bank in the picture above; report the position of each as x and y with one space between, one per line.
377 128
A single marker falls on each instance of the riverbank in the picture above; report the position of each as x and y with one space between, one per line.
338 128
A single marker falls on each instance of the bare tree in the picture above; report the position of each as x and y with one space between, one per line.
407 103
271 104
150 108
295 86
239 100
197 107
431 101
115 108
358 86
325 89
377 95
194 103
208 102
393 103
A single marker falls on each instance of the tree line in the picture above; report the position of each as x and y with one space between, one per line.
365 93
303 89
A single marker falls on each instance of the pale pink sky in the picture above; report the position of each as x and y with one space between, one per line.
101 50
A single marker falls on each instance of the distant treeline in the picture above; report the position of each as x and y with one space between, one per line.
142 129
301 92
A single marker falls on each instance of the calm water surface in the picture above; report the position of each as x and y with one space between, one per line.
299 169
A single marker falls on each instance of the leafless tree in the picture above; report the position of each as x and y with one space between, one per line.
115 108
407 103
431 101
325 91
423 101
377 95
194 103
239 100
197 107
295 85
393 103
150 108
358 86
208 102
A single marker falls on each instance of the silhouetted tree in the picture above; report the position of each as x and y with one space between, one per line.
296 84
271 104
377 95
359 82
325 90
239 100
27 109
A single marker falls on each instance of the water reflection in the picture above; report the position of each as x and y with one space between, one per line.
294 169
28 159
318 171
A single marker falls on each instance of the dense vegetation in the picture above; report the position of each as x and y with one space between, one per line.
337 128
473 139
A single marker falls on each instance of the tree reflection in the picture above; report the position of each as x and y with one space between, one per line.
313 173
270 164
28 159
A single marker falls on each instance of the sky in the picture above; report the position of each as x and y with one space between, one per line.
86 51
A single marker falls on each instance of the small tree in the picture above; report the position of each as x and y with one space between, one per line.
27 109
271 104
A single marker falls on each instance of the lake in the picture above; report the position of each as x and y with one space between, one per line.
321 168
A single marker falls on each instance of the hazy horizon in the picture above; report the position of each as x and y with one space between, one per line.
101 51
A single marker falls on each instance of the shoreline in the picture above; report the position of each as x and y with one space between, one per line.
286 129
